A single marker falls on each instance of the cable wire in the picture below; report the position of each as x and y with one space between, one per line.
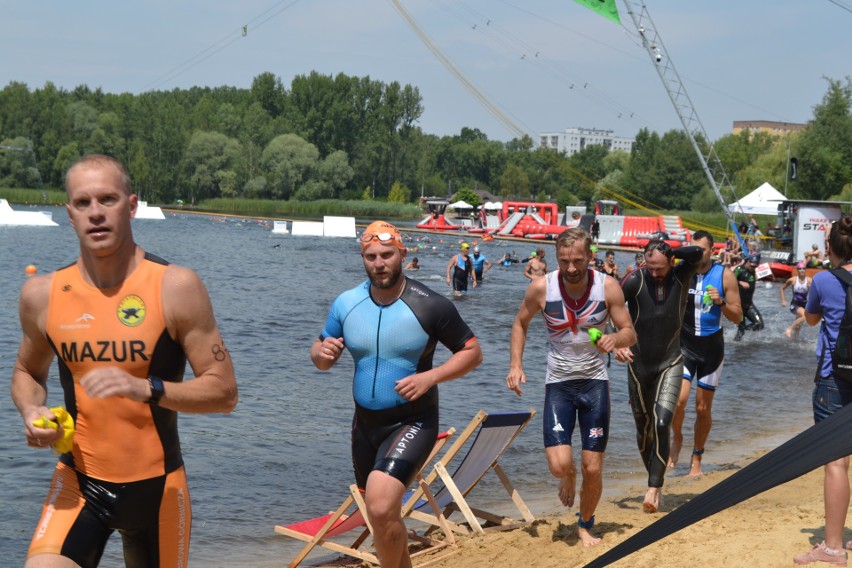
217 46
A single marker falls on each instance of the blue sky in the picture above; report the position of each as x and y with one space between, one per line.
546 64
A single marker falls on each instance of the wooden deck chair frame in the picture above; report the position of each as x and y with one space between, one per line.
339 522
452 497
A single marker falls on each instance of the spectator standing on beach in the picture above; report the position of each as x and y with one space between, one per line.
576 303
713 292
536 266
827 304
460 270
390 325
123 324
800 283
656 297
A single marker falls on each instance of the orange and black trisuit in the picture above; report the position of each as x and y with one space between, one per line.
125 472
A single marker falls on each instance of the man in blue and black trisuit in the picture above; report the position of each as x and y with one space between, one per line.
713 292
390 325
481 264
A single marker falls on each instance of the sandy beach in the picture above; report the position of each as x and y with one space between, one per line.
764 531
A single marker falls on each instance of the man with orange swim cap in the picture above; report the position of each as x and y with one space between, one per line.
390 324
382 232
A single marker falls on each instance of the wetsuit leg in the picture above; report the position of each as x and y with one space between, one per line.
641 403
755 317
460 284
653 400
668 392
743 326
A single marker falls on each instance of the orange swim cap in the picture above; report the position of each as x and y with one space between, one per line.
383 232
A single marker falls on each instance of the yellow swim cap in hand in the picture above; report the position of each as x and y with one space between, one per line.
66 443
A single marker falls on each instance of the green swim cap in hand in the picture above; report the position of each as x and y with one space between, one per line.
708 300
594 335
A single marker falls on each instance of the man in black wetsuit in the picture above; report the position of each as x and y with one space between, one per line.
748 282
656 297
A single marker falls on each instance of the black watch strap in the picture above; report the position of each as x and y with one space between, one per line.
157 390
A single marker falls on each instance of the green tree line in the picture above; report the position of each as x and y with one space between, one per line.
342 137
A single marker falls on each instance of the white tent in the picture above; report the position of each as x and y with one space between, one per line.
762 201
489 206
460 205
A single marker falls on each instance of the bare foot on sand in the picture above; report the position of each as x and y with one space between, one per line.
674 452
653 500
695 466
567 489
587 538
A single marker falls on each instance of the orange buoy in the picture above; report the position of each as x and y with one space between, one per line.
31 269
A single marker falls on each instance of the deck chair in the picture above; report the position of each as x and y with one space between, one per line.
351 516
494 434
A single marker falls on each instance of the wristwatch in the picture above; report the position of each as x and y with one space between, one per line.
157 390
724 301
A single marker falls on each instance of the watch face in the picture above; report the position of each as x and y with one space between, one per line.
157 389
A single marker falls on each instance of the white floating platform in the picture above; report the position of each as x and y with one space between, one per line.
330 227
280 228
307 228
144 211
339 226
11 217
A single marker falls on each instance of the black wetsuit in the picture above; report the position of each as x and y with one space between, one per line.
461 272
656 373
750 312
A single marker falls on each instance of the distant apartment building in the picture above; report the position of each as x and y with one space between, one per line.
572 140
768 126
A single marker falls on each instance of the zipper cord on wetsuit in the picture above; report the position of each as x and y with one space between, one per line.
378 332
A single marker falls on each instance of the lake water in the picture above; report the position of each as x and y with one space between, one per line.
283 455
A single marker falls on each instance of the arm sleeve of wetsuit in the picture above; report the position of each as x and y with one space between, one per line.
630 283
690 254
438 316
451 330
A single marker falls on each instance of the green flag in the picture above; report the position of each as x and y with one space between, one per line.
605 8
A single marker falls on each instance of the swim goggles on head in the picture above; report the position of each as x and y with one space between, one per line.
381 237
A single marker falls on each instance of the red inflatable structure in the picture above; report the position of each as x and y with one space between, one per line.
436 221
